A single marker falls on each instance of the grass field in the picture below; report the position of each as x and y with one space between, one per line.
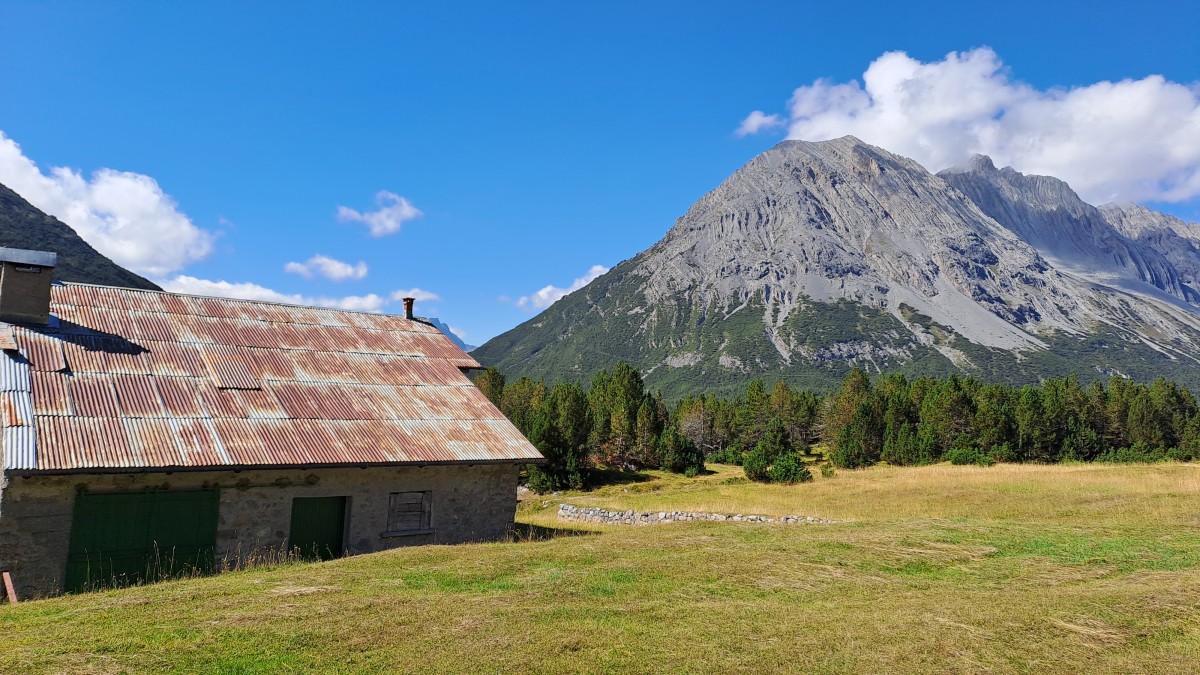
936 569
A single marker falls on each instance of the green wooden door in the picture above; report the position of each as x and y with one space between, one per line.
317 526
121 539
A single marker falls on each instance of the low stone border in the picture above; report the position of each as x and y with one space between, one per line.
581 514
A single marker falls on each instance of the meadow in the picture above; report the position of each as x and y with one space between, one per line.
1010 568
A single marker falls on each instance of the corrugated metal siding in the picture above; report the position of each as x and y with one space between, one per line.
138 379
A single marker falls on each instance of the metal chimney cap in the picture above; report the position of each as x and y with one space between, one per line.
21 256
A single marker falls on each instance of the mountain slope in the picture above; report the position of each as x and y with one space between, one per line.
816 257
23 226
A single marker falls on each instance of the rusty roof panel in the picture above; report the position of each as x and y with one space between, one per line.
125 358
220 403
271 364
168 359
93 396
243 444
50 395
43 352
11 413
152 326
81 357
228 367
260 404
137 396
199 443
180 397
73 442
153 442
330 387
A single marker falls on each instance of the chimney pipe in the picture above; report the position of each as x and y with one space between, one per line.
408 308
25 278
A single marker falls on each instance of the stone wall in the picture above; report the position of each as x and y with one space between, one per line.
582 514
469 503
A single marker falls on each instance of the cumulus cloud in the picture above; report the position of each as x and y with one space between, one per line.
551 294
393 211
758 121
416 294
1131 140
126 216
251 291
330 268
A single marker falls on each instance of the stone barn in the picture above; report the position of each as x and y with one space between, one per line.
148 434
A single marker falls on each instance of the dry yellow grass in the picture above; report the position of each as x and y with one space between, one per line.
1164 495
935 570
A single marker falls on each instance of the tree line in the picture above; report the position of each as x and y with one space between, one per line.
617 423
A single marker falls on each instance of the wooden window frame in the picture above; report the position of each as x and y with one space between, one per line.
397 500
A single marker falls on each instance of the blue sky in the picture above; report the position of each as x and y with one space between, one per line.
218 142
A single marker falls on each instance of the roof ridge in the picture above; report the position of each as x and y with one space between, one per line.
248 300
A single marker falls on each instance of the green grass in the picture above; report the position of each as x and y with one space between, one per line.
936 569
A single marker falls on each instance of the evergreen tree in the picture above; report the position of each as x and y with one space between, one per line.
861 439
840 408
519 400
559 430
678 454
491 383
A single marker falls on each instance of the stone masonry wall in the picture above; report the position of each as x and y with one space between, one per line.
469 503
581 514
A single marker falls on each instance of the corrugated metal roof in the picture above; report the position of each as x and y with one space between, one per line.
130 379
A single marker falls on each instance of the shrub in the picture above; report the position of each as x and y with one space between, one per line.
788 468
730 455
1138 453
827 470
678 454
756 463
969 455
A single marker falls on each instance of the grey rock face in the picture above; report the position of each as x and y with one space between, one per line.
845 220
1073 235
1176 240
839 252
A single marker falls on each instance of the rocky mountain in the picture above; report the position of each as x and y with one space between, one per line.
445 328
817 257
23 226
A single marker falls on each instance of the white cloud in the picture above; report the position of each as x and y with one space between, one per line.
392 212
327 267
1131 140
758 121
250 291
126 216
458 332
551 294
416 294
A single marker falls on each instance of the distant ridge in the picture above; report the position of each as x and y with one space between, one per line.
814 258
23 226
445 328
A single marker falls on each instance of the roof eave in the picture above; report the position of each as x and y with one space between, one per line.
259 467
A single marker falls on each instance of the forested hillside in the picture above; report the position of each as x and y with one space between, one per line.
23 226
771 431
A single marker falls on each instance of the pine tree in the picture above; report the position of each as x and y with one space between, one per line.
491 383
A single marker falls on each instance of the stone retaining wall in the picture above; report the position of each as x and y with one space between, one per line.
581 514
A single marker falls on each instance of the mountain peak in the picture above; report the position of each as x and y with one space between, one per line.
818 256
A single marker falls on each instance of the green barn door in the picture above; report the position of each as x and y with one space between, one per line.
121 539
317 526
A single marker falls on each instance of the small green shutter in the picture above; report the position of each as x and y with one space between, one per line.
317 526
125 538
